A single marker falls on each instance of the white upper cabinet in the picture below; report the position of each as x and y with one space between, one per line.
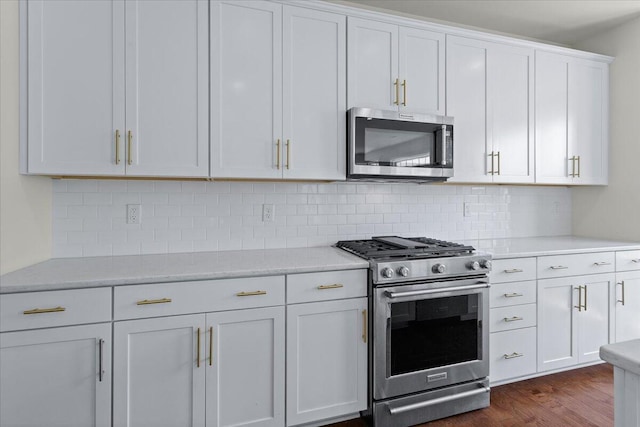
75 86
391 67
490 97
278 92
82 56
572 120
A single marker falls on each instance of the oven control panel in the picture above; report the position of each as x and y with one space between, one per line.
433 268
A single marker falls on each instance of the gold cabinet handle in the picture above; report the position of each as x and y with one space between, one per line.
364 325
397 85
573 166
498 155
512 355
129 148
278 154
585 297
153 301
558 267
599 264
288 153
250 294
579 306
100 361
513 319
513 295
44 310
117 146
211 346
334 286
198 349
513 270
492 171
621 300
404 93
578 160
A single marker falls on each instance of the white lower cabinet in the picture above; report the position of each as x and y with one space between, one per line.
513 354
573 316
326 360
214 370
626 306
56 377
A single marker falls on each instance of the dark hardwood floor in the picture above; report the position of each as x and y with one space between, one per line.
580 398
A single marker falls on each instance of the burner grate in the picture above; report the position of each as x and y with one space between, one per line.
427 248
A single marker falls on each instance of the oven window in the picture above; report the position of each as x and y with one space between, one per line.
433 333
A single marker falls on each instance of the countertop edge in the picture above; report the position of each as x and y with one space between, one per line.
624 355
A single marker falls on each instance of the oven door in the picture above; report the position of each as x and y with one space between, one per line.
429 335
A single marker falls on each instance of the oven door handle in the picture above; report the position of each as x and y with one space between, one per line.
435 291
419 405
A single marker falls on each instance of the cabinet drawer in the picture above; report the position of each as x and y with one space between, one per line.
516 293
515 317
512 270
167 299
55 308
627 260
576 264
328 285
513 354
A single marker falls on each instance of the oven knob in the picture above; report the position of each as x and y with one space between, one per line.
387 273
486 263
403 271
473 265
439 268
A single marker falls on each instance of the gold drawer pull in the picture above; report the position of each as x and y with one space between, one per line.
250 294
44 310
512 295
512 355
334 286
513 319
601 263
198 349
558 267
513 270
153 301
364 325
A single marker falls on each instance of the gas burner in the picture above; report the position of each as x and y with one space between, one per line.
393 247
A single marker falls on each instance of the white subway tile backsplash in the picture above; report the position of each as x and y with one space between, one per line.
89 217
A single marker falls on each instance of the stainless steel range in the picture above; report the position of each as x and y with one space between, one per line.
429 349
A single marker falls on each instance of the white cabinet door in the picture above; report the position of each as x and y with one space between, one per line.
510 115
626 300
314 97
245 368
588 120
246 89
52 377
572 124
421 70
467 104
593 320
167 82
372 65
489 95
157 381
75 87
557 324
573 319
326 360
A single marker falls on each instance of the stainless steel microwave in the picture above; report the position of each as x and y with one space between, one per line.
398 146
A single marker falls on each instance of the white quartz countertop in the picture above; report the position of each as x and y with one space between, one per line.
624 355
556 245
69 273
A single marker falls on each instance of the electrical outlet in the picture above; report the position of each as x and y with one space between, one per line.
134 214
268 213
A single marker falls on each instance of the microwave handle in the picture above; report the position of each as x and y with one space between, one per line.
443 146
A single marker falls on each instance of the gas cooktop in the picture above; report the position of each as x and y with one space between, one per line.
387 247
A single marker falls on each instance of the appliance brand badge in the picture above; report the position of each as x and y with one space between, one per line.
437 377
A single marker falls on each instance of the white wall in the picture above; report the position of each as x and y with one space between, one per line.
614 211
89 216
25 202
